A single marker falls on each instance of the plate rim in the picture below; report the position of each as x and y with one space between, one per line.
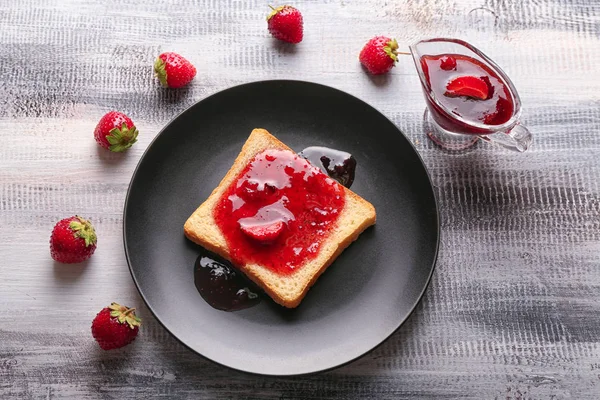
321 370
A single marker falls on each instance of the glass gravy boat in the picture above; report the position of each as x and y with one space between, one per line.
443 124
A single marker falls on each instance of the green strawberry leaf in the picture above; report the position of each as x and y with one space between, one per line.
122 139
125 315
274 11
83 229
391 49
160 72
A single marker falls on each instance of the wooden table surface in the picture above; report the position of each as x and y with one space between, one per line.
513 310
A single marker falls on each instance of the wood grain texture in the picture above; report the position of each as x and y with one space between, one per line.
513 311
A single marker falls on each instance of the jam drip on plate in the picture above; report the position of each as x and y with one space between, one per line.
339 165
221 285
278 211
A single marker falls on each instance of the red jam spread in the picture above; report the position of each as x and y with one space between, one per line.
278 211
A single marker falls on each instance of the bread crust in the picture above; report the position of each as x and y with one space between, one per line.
286 290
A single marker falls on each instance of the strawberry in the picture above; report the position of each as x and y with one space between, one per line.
468 86
173 71
115 326
379 55
264 233
115 131
448 63
73 240
285 23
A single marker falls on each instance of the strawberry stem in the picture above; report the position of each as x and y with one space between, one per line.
129 311
125 315
274 11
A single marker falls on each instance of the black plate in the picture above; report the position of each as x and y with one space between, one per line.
363 297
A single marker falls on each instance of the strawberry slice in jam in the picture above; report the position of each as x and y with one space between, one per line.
468 86
264 233
278 211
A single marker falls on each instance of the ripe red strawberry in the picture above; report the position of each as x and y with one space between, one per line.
73 240
448 63
468 86
285 23
379 55
115 326
115 131
173 71
264 233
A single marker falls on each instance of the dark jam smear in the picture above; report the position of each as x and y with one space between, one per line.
495 110
221 285
339 165
288 202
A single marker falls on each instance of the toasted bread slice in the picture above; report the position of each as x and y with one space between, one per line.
287 290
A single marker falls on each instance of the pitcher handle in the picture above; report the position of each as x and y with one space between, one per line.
518 138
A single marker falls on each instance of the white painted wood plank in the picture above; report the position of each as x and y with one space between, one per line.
512 311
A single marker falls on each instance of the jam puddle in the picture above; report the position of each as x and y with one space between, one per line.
221 285
339 165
